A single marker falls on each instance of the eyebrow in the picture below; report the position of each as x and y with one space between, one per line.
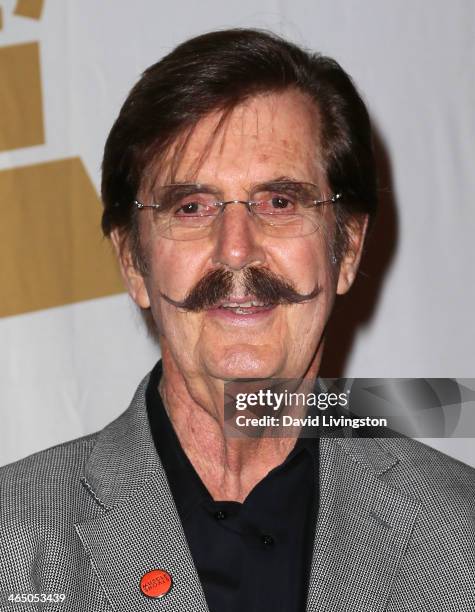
171 190
280 180
187 187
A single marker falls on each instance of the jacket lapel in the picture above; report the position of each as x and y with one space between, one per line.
363 529
137 528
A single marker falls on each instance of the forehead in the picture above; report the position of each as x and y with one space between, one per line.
267 136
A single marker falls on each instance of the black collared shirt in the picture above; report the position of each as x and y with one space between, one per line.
253 556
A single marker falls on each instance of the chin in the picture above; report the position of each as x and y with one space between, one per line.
244 362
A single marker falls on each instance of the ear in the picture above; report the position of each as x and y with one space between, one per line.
350 261
133 279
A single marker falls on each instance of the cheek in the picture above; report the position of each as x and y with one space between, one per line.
306 262
175 267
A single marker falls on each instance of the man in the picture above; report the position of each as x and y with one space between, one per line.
238 185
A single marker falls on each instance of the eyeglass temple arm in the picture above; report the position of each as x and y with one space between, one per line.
333 200
142 205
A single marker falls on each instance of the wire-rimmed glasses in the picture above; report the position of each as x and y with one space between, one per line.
284 209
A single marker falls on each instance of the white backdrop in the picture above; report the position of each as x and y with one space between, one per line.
67 371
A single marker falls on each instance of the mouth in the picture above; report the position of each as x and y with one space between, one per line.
239 308
244 306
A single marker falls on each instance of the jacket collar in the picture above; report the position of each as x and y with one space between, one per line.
124 456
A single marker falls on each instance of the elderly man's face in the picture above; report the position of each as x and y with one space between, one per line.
266 138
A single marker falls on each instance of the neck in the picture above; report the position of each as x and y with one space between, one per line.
229 467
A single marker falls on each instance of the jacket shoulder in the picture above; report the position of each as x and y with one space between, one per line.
430 475
33 485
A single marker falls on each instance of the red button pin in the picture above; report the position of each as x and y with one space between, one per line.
156 583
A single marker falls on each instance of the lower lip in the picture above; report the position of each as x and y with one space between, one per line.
252 315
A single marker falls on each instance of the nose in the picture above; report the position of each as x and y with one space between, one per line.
237 239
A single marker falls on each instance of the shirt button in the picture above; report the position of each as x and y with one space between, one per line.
267 540
220 515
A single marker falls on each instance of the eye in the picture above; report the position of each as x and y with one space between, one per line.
275 204
280 202
195 207
190 208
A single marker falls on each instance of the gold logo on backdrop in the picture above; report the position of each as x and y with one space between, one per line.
26 8
51 249
21 116
29 8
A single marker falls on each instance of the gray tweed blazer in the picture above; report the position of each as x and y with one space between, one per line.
89 518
